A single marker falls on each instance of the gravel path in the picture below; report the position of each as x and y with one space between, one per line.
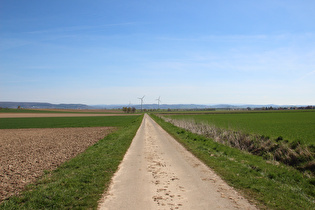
158 173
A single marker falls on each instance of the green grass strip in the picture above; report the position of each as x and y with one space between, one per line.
9 110
271 186
63 122
80 182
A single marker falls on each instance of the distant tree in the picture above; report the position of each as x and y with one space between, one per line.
129 110
19 107
133 109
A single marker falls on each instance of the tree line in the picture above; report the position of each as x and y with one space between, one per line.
129 109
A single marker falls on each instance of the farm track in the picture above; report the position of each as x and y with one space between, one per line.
26 153
23 115
158 173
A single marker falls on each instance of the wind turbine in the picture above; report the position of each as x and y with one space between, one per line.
141 102
159 102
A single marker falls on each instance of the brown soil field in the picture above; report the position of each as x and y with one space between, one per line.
26 153
83 110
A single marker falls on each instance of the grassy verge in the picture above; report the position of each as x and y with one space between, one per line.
63 122
80 182
268 184
300 156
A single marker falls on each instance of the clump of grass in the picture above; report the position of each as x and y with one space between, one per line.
290 153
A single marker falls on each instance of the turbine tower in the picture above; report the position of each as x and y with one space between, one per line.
159 102
141 102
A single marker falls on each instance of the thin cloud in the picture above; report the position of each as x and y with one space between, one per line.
240 37
79 28
309 74
11 43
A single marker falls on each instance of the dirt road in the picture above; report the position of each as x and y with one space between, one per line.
158 173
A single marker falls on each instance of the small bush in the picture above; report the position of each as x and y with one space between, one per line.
294 144
280 138
312 181
265 137
271 176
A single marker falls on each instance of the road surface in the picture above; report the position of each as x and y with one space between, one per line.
158 173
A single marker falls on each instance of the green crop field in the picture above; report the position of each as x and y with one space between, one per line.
291 125
7 110
63 122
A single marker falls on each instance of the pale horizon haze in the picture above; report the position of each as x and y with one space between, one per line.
186 52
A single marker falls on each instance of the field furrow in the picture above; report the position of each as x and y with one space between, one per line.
26 153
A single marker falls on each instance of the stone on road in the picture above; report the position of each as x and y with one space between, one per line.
159 173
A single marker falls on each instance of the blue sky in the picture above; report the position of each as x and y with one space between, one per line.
202 52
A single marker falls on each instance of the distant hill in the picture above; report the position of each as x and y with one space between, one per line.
39 105
192 106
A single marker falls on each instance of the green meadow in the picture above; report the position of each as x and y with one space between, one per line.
9 110
63 122
291 125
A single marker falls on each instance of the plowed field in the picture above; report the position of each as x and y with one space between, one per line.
26 153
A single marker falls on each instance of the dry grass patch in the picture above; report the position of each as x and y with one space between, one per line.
290 153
